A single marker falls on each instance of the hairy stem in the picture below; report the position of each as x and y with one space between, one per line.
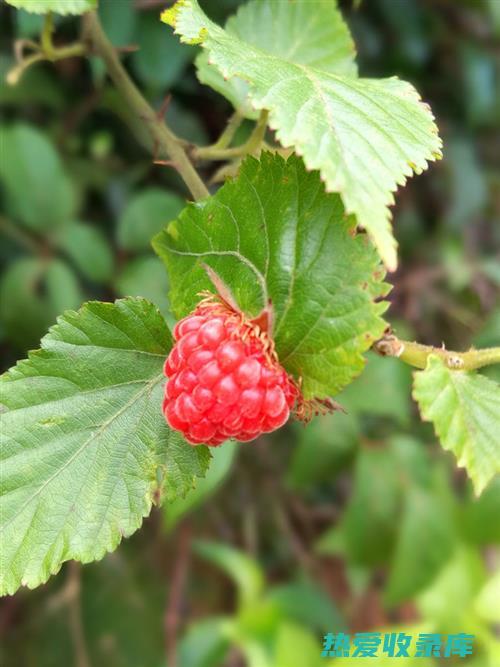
416 354
163 137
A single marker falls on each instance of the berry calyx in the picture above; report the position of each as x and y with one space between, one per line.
224 379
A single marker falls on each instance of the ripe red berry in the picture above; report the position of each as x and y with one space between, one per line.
224 378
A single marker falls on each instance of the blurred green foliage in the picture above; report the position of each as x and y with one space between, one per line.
359 521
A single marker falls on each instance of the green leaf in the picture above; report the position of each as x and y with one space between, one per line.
84 441
465 410
205 643
127 579
57 6
243 570
296 646
328 46
425 542
146 276
306 603
481 516
62 287
273 233
187 124
145 215
89 249
28 25
489 336
448 601
486 603
160 60
22 312
383 389
467 183
411 463
369 523
32 294
322 449
366 136
38 192
383 476
118 20
222 460
36 86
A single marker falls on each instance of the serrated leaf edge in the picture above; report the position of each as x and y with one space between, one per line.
115 538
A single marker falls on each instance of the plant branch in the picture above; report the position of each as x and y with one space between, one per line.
416 354
20 236
45 50
163 137
51 52
75 616
69 597
252 145
177 583
46 36
14 74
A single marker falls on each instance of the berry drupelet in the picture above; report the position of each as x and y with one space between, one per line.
224 378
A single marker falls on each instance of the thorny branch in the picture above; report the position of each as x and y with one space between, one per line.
416 354
163 137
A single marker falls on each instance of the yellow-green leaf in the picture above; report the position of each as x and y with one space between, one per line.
465 410
365 136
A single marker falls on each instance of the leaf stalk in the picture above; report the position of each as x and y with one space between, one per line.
45 50
252 145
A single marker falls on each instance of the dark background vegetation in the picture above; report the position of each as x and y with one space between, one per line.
358 522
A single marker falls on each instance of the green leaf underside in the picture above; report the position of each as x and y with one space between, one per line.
465 411
84 441
57 6
365 136
273 233
318 38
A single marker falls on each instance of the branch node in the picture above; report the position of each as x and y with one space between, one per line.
418 355
454 362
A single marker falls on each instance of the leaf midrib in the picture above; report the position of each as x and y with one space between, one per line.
78 393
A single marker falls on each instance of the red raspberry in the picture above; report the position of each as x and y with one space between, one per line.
224 378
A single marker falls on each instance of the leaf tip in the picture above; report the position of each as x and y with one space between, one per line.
170 15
